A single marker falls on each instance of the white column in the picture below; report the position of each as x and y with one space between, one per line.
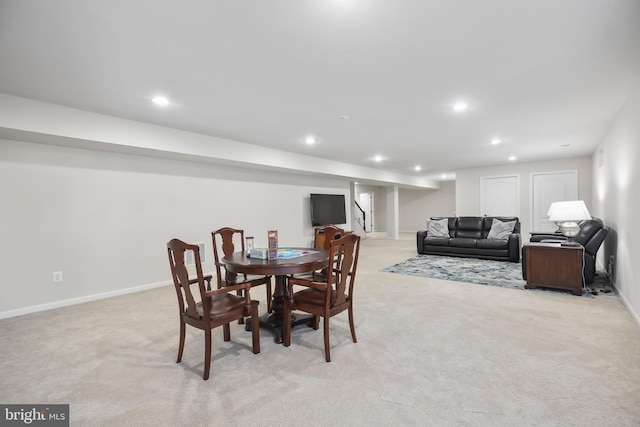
393 216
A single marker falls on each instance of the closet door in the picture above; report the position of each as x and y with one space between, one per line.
549 187
499 195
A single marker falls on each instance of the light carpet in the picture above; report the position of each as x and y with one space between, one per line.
427 355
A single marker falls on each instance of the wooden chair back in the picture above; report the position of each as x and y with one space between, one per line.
226 240
183 285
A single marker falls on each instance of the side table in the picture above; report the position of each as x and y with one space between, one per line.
550 265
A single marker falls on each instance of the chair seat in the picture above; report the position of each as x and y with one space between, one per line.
223 304
240 278
311 296
315 276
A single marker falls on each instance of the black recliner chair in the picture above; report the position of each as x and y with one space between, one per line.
592 234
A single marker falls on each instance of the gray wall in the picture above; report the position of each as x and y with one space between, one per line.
104 218
416 206
616 198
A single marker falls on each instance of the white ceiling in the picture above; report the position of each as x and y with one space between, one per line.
547 76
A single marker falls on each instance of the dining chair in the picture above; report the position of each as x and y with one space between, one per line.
216 307
225 241
329 297
322 238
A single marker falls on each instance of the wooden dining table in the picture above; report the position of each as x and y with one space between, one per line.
307 260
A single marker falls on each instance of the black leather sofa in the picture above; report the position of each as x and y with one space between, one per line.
468 238
592 234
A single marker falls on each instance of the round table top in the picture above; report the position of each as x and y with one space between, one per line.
239 262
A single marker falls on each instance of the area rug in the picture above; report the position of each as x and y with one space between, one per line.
469 270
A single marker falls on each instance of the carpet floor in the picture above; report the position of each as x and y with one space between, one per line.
427 355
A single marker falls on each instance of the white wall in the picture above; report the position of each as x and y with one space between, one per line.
417 206
616 198
468 185
104 218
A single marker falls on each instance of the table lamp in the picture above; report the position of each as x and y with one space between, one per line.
567 215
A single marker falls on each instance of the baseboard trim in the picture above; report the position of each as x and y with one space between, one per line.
80 300
629 307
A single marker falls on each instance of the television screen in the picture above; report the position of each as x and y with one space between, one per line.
327 209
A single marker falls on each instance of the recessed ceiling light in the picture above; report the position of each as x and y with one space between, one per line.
512 158
443 176
496 141
460 106
310 140
378 158
160 100
417 168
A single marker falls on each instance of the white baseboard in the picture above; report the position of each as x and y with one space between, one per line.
80 300
629 308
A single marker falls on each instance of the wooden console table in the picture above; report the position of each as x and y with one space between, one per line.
550 265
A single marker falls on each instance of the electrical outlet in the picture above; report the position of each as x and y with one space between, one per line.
57 276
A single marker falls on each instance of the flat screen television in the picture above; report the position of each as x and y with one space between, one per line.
327 209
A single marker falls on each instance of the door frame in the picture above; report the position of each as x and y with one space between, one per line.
370 221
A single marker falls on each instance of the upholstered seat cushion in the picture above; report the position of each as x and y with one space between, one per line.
436 241
493 244
460 242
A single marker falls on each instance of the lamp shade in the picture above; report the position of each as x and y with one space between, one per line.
574 210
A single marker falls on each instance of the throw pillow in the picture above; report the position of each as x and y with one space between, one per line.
501 230
438 228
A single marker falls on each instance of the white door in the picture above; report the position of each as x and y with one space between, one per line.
549 187
499 195
366 203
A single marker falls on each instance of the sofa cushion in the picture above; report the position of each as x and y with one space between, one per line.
493 244
470 227
501 230
438 227
461 242
436 241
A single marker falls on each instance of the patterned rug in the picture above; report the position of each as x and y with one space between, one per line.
469 270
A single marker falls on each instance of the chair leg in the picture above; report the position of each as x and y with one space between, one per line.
286 323
207 353
240 320
316 322
326 339
269 296
183 330
351 325
255 327
227 332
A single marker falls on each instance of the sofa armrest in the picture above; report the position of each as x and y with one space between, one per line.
420 240
514 247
